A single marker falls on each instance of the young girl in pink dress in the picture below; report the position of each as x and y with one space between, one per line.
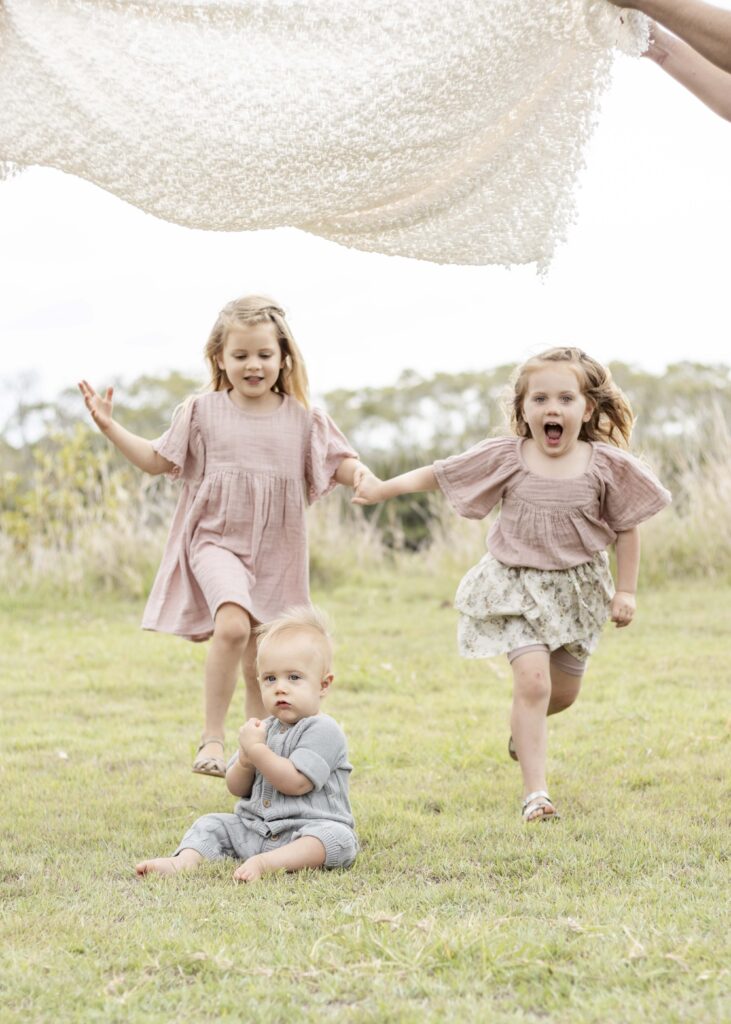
251 455
542 593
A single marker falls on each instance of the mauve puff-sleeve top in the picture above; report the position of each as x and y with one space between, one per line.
546 523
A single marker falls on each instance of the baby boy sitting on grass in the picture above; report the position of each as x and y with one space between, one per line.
291 770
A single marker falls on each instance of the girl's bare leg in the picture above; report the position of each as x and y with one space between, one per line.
254 706
531 696
564 690
186 860
306 852
231 635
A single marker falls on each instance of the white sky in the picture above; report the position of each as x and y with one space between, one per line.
92 287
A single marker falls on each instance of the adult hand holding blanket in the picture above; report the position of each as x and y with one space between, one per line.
697 50
448 132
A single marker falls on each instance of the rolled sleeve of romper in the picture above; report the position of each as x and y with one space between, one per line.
182 444
632 492
320 751
473 482
326 449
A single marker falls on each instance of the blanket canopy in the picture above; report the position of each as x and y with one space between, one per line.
450 132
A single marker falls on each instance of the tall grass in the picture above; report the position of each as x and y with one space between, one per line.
80 533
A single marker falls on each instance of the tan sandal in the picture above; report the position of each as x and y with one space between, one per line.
537 802
210 765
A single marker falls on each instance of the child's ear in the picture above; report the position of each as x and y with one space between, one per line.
325 683
590 410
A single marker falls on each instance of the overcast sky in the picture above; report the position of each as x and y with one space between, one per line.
92 287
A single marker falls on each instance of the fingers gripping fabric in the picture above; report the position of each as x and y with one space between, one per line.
448 132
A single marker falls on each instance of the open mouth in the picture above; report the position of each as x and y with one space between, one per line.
553 432
253 380
283 704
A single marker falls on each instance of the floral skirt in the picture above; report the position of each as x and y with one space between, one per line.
502 608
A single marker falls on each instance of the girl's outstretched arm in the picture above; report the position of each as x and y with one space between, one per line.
137 450
369 490
347 470
628 569
706 28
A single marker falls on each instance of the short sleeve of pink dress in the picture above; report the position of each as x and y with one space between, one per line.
326 449
182 444
473 482
630 491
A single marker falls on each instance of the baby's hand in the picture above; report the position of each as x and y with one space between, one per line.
253 732
623 608
100 408
367 487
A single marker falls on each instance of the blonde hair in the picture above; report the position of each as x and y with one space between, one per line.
612 417
258 309
301 617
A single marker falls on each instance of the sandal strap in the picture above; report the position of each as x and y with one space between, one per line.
539 801
205 740
540 794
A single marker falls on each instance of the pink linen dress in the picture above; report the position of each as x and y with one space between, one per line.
545 578
239 533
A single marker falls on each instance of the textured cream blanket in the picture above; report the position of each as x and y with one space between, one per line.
449 130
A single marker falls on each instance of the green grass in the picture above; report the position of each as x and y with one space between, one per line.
454 910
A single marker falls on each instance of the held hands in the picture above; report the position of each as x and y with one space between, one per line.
100 408
623 608
367 487
252 732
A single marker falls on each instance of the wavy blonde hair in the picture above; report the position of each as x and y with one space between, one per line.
612 418
258 309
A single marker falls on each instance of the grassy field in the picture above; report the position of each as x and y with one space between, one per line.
454 911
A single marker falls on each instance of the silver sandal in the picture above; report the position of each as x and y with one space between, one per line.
539 801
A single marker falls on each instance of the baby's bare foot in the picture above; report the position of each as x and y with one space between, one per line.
159 866
186 860
251 870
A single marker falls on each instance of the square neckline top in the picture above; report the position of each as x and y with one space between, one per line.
542 476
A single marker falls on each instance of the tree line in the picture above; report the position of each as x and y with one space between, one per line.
55 468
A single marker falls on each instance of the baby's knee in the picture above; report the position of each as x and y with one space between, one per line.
339 842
